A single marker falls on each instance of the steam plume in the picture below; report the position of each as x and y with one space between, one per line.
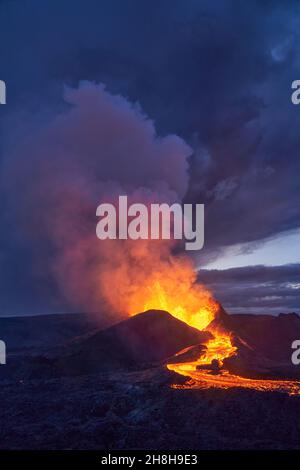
99 147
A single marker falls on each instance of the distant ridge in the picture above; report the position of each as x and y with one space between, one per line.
151 336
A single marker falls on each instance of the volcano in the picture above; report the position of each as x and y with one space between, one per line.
149 337
111 386
243 354
242 345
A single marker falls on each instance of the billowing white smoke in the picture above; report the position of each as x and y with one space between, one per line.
99 147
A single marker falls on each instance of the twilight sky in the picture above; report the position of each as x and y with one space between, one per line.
216 74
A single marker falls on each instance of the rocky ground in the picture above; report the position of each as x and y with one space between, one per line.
108 388
139 410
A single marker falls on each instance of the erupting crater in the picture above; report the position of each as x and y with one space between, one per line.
207 369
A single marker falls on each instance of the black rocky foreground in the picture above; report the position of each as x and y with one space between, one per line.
108 388
139 410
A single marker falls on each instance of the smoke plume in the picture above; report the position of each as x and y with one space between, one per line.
99 147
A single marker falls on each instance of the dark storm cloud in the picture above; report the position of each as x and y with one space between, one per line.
217 74
256 289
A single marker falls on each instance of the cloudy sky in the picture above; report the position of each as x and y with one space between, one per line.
216 74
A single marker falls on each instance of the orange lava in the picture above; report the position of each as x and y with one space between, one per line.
178 294
218 348
186 300
194 305
201 379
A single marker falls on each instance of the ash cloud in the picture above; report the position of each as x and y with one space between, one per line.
256 289
97 148
216 74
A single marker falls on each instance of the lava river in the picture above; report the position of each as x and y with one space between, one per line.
201 374
191 303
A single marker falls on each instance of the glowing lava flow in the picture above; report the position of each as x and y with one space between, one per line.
205 379
206 371
202 312
217 349
201 376
196 307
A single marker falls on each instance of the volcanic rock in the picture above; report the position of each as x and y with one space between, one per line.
192 353
143 339
268 335
263 343
39 332
147 337
222 321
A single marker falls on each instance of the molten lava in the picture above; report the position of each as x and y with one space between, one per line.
173 287
202 379
194 305
217 349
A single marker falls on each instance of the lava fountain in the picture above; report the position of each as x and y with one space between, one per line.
174 288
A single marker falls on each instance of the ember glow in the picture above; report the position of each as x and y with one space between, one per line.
219 348
205 379
197 308
151 278
188 302
172 287
176 291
